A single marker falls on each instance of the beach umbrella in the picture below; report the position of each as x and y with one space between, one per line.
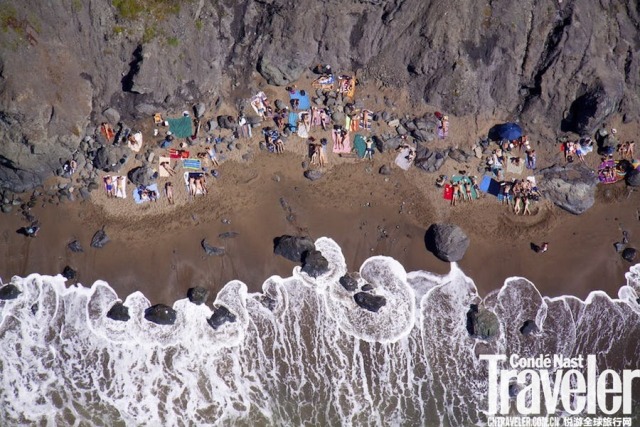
508 131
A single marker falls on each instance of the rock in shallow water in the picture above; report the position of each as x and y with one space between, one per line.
314 264
211 250
348 282
69 273
9 292
482 323
629 254
220 316
119 312
160 314
75 246
292 247
198 295
370 302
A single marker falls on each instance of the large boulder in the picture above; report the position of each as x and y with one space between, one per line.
142 176
571 187
314 263
482 323
220 316
160 314
119 312
99 239
633 178
198 295
447 241
629 254
369 301
349 282
9 292
593 107
312 174
292 247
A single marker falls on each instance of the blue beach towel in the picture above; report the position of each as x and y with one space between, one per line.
490 186
303 100
293 121
191 164
137 193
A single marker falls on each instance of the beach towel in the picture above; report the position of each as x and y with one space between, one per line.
532 180
324 82
315 117
191 164
303 100
347 86
346 143
303 128
107 131
135 142
293 121
447 193
464 180
442 133
618 175
490 186
178 154
401 159
244 131
360 145
121 186
365 119
513 168
188 175
257 103
181 127
162 171
137 193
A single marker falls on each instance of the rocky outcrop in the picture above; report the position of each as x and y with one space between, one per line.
349 282
69 273
482 323
220 316
567 64
571 187
447 241
629 254
160 314
142 176
210 249
293 248
99 239
119 312
369 301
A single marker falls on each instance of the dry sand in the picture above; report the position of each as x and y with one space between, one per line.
155 247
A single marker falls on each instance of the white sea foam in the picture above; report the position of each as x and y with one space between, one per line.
316 359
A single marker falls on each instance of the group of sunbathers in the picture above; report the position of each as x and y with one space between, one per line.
115 189
626 150
579 149
318 151
462 190
197 184
522 192
146 194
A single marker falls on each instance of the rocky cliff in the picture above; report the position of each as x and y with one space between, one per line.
558 65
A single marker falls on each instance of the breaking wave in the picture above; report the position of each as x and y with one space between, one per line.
313 358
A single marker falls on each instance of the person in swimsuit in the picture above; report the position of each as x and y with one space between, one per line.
369 150
526 202
455 193
168 191
120 191
111 191
467 189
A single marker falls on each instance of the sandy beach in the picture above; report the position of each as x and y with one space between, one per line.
155 247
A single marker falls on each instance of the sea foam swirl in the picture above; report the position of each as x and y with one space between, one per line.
316 358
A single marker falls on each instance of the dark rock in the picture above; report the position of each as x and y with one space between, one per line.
349 283
6 208
619 246
142 176
220 316
211 125
482 323
69 273
447 241
367 287
75 246
633 178
314 263
254 120
529 327
9 292
629 254
384 170
112 115
572 188
592 108
338 117
228 235
160 314
369 302
280 105
312 174
212 250
227 122
268 302
119 312
99 239
198 295
292 247
101 160
34 308
199 109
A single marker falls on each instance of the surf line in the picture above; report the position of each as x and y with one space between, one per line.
570 388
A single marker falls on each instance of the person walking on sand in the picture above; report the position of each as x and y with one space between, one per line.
168 191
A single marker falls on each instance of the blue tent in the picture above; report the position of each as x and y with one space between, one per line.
508 131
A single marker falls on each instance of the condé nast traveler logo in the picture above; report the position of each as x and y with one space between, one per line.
555 384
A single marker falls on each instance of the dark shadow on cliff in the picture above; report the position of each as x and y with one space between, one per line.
134 68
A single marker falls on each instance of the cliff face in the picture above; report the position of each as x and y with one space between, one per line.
564 66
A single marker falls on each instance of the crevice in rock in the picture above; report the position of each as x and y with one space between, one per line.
134 68
627 64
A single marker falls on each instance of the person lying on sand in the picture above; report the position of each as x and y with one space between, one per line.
192 186
279 146
323 152
168 191
467 189
167 167
455 193
111 190
120 190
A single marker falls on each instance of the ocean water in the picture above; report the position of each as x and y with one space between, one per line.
316 359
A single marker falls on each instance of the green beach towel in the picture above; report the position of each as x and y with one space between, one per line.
464 180
181 127
359 145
